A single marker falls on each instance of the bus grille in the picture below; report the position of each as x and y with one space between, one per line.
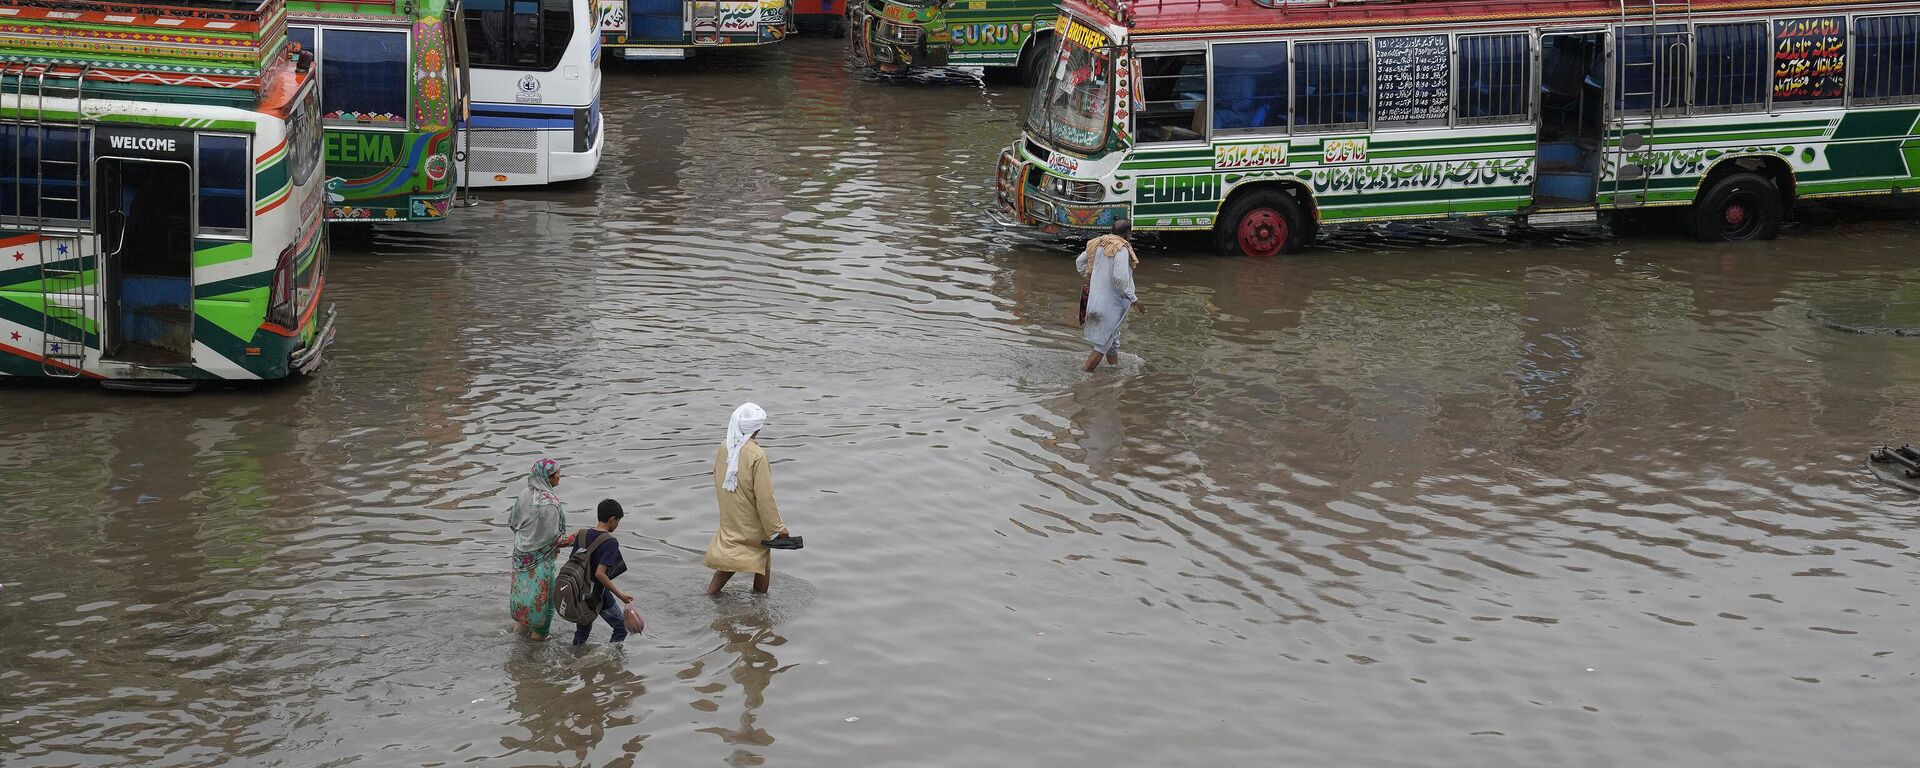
492 161
484 139
899 33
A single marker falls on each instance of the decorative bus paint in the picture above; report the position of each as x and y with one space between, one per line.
160 218
812 16
673 29
896 35
535 87
389 91
1259 122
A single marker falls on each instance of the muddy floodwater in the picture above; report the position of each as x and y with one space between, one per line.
1419 496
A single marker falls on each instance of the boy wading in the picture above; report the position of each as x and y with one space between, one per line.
606 565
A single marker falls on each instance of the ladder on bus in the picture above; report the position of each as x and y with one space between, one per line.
1632 179
66 284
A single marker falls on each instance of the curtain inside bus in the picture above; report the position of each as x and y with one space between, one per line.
518 34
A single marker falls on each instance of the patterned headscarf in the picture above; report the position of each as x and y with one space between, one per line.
747 419
537 517
1109 245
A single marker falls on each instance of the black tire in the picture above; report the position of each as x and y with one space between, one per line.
1274 222
1744 206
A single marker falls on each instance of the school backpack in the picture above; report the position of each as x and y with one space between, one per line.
576 596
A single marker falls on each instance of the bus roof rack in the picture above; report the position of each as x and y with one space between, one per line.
179 49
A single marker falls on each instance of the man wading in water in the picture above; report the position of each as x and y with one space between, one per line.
743 486
1108 264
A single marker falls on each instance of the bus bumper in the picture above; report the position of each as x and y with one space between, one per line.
314 356
568 166
887 53
890 45
1018 187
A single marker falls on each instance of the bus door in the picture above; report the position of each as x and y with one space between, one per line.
656 21
145 236
1572 127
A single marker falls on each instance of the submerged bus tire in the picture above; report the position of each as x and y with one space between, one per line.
1744 206
1261 224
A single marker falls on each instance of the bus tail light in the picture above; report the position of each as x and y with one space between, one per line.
280 305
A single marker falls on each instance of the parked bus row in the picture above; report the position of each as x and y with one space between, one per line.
163 212
891 35
419 98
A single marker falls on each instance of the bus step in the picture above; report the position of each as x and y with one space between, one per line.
1584 218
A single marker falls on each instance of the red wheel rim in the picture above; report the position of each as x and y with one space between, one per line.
1262 232
1735 214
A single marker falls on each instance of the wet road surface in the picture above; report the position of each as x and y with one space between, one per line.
1415 497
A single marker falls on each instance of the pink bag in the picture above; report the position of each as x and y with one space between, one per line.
635 624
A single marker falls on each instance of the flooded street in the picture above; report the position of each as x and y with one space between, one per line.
1413 497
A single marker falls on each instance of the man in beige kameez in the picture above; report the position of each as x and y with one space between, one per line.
743 487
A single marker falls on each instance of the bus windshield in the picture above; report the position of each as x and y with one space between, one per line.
1071 103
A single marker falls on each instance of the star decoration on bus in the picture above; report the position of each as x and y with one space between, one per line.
62 249
16 335
19 256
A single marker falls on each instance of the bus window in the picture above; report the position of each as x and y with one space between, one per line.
1888 66
304 37
518 34
222 173
1330 82
1731 64
1635 51
303 131
364 77
1250 86
1174 92
1495 76
1809 60
24 180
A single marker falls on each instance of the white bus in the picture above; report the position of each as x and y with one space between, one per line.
535 68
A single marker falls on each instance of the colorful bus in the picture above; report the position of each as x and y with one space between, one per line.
1259 121
160 210
535 87
672 29
895 35
390 88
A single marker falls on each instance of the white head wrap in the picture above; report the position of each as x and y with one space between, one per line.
747 419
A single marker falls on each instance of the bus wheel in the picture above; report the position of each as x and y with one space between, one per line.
1262 225
1028 69
1743 206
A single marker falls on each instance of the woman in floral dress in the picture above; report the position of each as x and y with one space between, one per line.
539 523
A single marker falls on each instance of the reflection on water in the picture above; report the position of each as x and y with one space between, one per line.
1434 490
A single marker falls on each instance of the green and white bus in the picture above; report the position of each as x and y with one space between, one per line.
1259 120
393 82
160 197
896 35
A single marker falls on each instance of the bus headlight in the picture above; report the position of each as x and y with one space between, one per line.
1077 191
